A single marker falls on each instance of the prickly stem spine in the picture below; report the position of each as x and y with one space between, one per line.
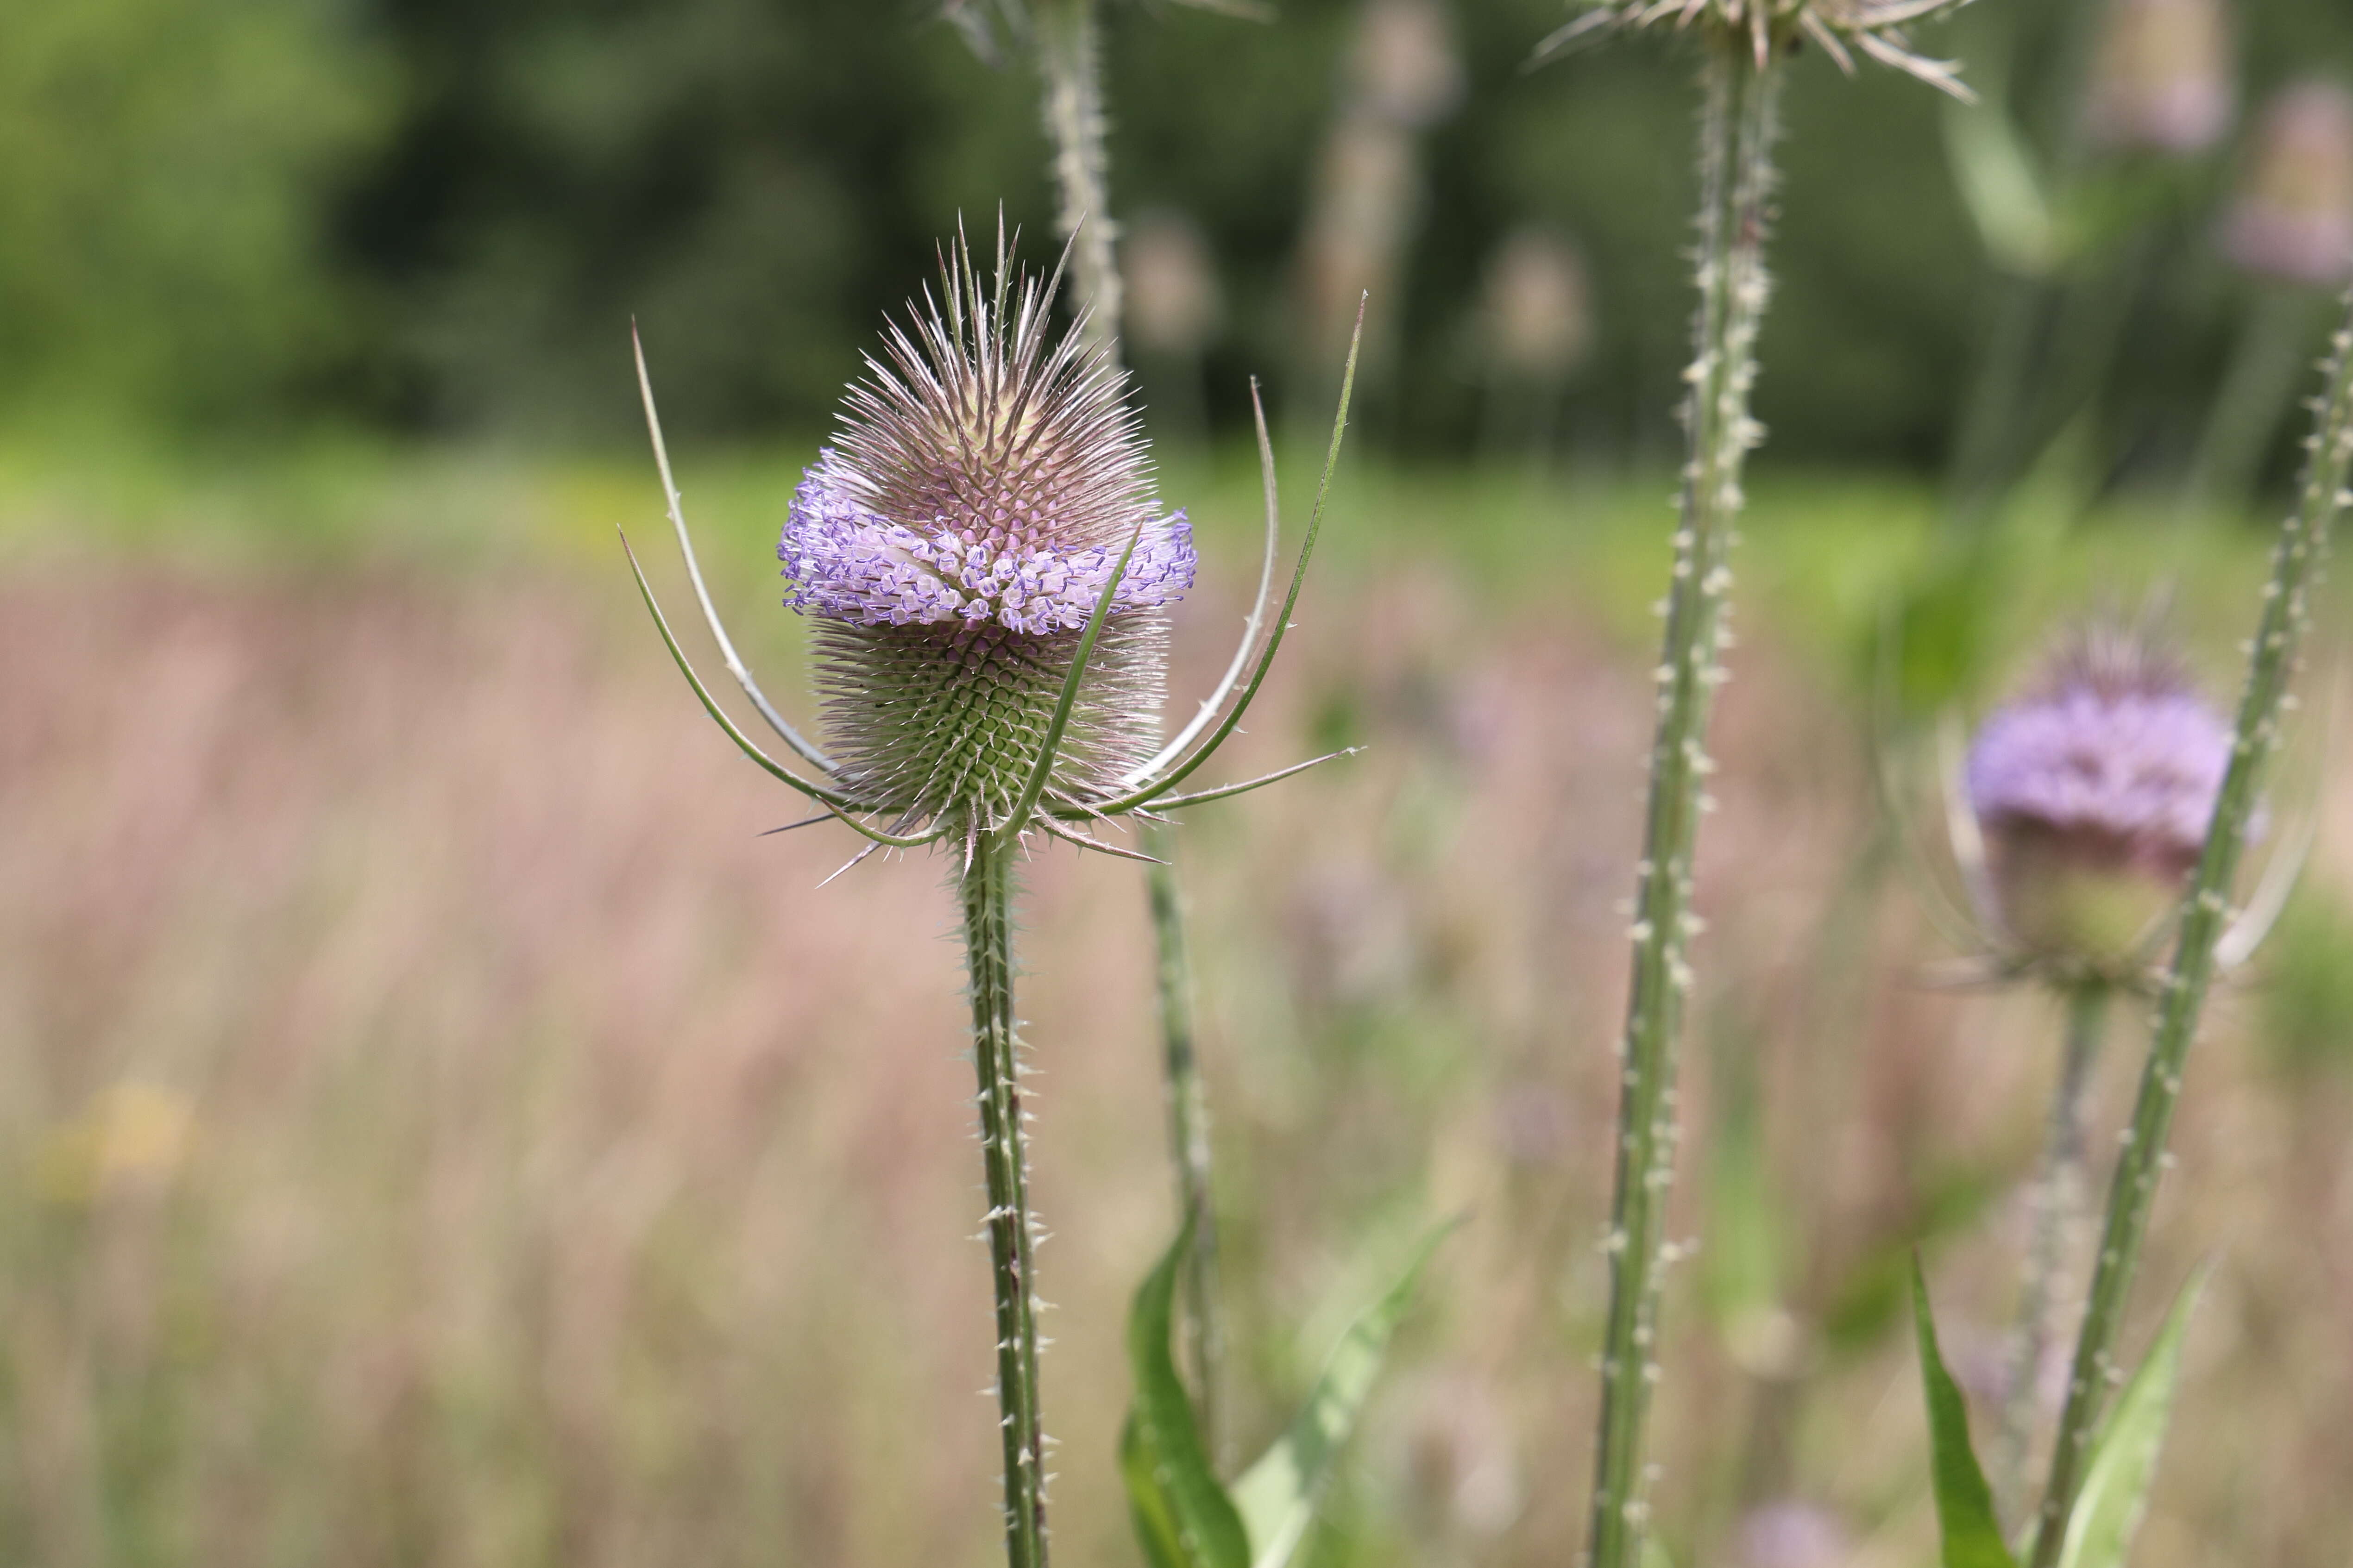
987 893
1737 132
2273 659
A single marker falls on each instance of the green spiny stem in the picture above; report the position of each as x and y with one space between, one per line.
2272 660
2059 1197
987 896
1736 133
1189 1131
1069 58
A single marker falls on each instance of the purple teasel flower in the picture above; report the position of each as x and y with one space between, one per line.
849 563
2093 794
990 575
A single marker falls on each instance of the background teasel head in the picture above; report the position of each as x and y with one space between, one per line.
1840 28
987 479
2092 794
2292 219
2162 77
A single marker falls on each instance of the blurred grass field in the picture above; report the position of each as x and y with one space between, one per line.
437 1130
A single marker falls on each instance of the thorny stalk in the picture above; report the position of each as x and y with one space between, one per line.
986 891
2059 1196
1737 132
1070 59
1188 1132
2272 660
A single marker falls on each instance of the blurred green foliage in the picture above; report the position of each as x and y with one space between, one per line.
164 170
439 216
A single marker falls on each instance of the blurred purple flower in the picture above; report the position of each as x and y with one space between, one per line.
2116 760
2162 80
2093 794
2293 218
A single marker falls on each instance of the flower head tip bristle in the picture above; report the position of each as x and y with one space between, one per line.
2093 792
952 544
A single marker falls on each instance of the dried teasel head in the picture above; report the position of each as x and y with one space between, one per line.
1877 29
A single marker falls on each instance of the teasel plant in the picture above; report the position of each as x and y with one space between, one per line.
2104 1452
1746 43
2076 820
988 574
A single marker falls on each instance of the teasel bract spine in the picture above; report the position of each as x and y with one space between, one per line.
2274 658
1739 123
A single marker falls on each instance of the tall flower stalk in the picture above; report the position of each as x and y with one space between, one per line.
2274 658
2088 800
1070 65
2058 1210
988 573
1746 42
1069 62
1736 129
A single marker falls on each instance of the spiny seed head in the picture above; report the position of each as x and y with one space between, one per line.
1840 28
952 543
2094 791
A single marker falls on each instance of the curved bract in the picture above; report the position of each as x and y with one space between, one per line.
989 574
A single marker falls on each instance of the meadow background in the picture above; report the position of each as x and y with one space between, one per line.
436 1129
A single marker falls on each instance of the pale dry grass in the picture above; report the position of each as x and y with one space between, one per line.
440 1132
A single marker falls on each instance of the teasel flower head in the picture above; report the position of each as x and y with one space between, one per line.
1876 29
988 480
989 572
2161 79
2093 792
2292 220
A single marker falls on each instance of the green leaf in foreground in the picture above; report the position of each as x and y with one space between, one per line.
2124 1459
1965 1516
1278 1495
1182 1514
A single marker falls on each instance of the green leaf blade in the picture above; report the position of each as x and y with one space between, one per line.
2116 1481
1965 1516
1278 1496
1183 1516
